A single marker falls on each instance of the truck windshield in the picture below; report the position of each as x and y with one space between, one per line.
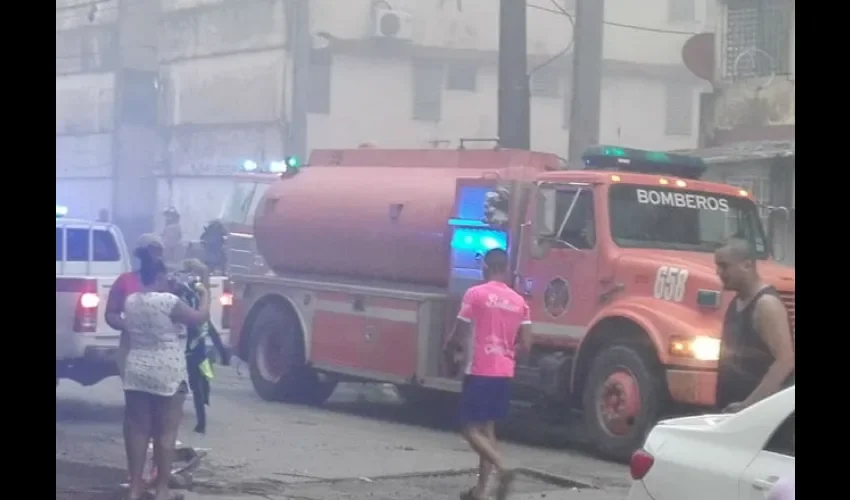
240 205
677 219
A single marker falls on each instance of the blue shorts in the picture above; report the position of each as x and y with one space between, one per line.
484 399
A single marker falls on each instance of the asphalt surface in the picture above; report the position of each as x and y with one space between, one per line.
361 445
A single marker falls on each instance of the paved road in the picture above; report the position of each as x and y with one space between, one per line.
350 449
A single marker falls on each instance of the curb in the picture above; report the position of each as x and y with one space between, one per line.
556 479
547 477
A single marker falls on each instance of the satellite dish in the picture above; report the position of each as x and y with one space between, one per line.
698 55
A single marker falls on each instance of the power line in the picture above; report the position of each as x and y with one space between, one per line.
562 12
566 49
83 5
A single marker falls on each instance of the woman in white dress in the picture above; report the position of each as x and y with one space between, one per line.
155 377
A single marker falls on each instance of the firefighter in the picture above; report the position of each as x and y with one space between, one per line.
172 237
213 241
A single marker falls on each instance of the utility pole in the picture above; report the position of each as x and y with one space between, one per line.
135 135
300 47
587 77
514 112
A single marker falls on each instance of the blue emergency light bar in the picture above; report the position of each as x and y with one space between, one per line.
61 211
275 167
642 161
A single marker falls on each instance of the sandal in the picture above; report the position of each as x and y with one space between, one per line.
470 495
506 481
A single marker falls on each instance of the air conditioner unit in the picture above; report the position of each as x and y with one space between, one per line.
393 24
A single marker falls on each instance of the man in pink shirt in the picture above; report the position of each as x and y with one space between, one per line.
495 320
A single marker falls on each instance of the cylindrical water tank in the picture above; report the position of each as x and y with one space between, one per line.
368 223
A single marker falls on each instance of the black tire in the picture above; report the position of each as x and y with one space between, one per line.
299 383
639 363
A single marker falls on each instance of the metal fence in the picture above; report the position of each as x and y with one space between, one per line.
757 38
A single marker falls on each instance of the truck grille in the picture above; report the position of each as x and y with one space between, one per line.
788 298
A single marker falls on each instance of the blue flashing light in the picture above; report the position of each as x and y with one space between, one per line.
249 165
478 240
468 222
643 161
292 162
471 202
61 211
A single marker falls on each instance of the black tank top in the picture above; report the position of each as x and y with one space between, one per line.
744 357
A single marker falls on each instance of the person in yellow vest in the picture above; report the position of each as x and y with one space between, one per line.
198 364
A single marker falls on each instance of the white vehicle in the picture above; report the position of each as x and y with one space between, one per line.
731 457
89 257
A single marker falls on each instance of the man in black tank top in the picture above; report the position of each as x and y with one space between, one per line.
757 351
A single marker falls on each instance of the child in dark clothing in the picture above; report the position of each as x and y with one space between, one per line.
198 364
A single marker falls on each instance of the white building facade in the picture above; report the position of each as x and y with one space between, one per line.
400 73
443 84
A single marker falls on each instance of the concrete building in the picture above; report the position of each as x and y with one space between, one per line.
748 121
755 72
400 73
107 132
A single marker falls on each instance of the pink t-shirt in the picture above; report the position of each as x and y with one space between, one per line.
125 285
496 313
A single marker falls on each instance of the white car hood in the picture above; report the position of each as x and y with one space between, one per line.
700 421
682 426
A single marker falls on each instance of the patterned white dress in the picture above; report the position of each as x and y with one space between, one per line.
156 361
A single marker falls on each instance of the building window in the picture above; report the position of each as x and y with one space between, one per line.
757 40
682 10
319 93
462 76
427 91
545 82
680 110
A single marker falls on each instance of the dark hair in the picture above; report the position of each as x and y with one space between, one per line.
150 267
142 253
496 260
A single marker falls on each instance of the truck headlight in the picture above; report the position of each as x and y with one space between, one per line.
701 348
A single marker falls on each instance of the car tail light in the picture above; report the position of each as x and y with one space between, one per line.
85 318
641 462
226 301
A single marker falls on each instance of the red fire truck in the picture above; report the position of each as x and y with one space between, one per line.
368 259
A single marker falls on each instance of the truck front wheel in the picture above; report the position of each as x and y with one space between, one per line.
623 397
279 370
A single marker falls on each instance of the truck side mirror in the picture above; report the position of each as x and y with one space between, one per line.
497 204
778 229
546 212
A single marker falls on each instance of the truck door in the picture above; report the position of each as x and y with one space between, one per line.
558 267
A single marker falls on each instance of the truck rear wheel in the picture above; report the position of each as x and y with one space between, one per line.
279 370
623 397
